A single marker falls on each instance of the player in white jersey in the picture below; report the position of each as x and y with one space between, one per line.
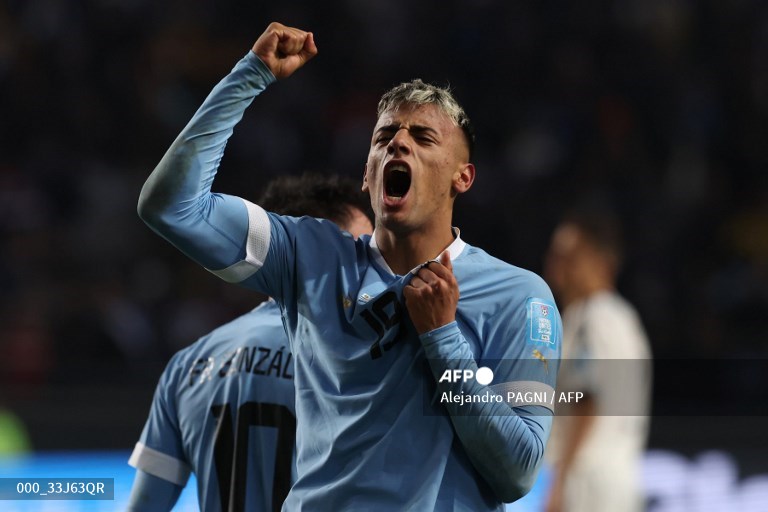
597 443
225 406
387 331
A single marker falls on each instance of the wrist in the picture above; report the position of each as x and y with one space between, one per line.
258 65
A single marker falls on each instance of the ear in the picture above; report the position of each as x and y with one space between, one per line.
463 179
365 178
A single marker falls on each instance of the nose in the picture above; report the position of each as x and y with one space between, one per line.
400 143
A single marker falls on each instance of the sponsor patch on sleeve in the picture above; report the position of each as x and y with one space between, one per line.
543 322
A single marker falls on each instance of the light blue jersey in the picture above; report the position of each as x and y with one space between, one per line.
224 409
383 422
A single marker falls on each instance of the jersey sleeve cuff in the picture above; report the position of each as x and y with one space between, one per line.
159 464
257 65
436 335
446 343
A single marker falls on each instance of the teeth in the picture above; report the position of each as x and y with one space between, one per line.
398 168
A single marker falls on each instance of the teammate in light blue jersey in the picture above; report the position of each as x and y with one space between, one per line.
224 406
387 331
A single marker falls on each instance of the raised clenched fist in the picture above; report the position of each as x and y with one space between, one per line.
284 49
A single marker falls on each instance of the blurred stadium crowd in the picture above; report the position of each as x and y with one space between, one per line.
656 108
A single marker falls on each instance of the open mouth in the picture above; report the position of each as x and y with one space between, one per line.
397 181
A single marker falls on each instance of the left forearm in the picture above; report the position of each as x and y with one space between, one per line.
505 444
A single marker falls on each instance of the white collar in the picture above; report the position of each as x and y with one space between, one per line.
455 249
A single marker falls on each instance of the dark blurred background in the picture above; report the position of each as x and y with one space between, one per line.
655 108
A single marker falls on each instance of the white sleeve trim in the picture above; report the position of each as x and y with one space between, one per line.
159 464
256 248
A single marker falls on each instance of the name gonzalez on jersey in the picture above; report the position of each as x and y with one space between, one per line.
249 359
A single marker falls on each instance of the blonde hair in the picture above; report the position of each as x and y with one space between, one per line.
417 92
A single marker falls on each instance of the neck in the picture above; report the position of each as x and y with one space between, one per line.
403 253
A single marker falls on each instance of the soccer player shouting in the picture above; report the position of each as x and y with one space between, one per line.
377 324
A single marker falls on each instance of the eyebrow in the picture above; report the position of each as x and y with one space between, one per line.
414 128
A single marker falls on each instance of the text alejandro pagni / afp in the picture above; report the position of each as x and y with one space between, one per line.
513 398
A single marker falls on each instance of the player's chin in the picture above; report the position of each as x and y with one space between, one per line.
395 208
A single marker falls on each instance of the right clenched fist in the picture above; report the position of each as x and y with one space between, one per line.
284 49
